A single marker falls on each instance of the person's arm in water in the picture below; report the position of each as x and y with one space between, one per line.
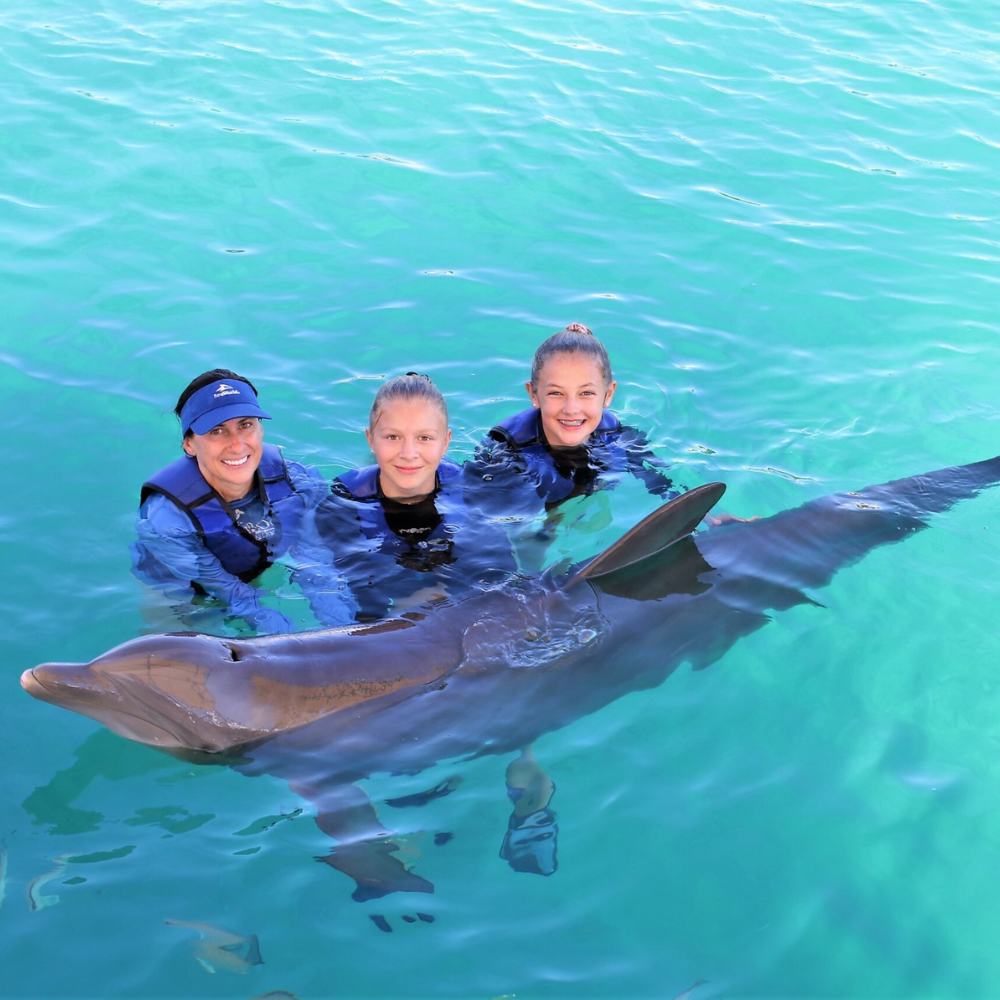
500 482
313 569
316 572
169 550
308 482
642 463
652 472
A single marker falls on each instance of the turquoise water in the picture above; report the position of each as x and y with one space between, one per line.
781 218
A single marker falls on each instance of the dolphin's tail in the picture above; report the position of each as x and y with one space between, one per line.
805 546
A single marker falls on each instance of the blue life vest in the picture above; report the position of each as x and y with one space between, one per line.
361 486
524 429
461 551
523 434
240 553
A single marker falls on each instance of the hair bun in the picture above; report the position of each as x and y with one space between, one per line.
579 328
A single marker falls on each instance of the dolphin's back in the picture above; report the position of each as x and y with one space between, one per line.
807 545
499 666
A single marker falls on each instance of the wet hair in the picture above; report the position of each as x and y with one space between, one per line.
207 378
412 385
574 338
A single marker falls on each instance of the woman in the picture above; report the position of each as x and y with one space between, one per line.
568 443
213 520
400 530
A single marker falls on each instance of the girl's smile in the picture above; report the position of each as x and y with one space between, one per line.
571 396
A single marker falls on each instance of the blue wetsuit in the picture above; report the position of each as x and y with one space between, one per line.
516 455
189 540
390 551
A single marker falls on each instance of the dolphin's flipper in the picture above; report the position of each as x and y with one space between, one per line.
375 869
364 850
653 534
445 787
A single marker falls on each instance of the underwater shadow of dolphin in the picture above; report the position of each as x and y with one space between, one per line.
491 673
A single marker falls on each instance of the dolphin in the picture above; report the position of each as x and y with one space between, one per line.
490 673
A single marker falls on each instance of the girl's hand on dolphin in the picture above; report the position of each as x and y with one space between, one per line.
425 595
714 520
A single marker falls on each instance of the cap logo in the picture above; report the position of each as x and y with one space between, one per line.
224 390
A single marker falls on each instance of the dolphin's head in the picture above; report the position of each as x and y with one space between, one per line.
161 690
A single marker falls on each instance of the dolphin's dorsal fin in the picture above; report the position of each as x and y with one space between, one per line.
654 533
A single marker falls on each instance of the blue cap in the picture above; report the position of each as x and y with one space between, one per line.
217 402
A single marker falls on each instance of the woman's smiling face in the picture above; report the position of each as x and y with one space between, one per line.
228 455
409 439
571 395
